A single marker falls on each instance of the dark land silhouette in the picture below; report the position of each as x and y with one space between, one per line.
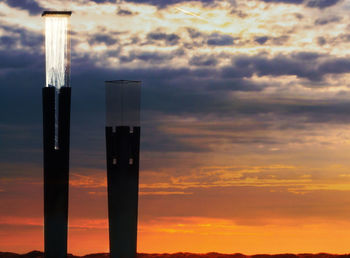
38 254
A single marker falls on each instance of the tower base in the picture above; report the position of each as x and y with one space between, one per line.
123 180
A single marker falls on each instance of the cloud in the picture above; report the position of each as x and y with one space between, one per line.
162 4
156 140
321 41
169 39
145 56
203 60
284 1
198 38
29 5
216 39
7 41
151 57
280 40
334 66
311 3
124 12
272 40
299 16
103 1
261 40
321 4
239 13
102 38
163 90
193 33
327 20
308 65
16 37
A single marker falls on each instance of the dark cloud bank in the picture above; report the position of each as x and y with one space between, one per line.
170 39
321 4
34 8
161 4
102 38
183 92
158 3
30 5
198 90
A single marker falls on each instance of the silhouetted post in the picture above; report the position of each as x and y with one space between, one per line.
56 125
123 144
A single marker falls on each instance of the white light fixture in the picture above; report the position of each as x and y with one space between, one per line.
57 47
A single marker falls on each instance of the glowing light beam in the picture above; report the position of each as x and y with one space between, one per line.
57 51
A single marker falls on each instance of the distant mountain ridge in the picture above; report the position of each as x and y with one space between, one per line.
38 254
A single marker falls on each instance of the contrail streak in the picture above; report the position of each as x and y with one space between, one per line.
190 13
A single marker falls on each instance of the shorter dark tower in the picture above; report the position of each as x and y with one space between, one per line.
123 147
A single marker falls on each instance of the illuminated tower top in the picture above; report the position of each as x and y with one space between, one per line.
57 47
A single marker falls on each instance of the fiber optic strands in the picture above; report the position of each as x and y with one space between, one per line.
57 51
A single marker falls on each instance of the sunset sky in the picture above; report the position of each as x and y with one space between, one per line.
245 143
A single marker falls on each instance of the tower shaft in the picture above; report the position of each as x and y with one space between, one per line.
123 179
56 171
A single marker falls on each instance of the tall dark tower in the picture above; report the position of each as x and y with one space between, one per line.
56 126
123 144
